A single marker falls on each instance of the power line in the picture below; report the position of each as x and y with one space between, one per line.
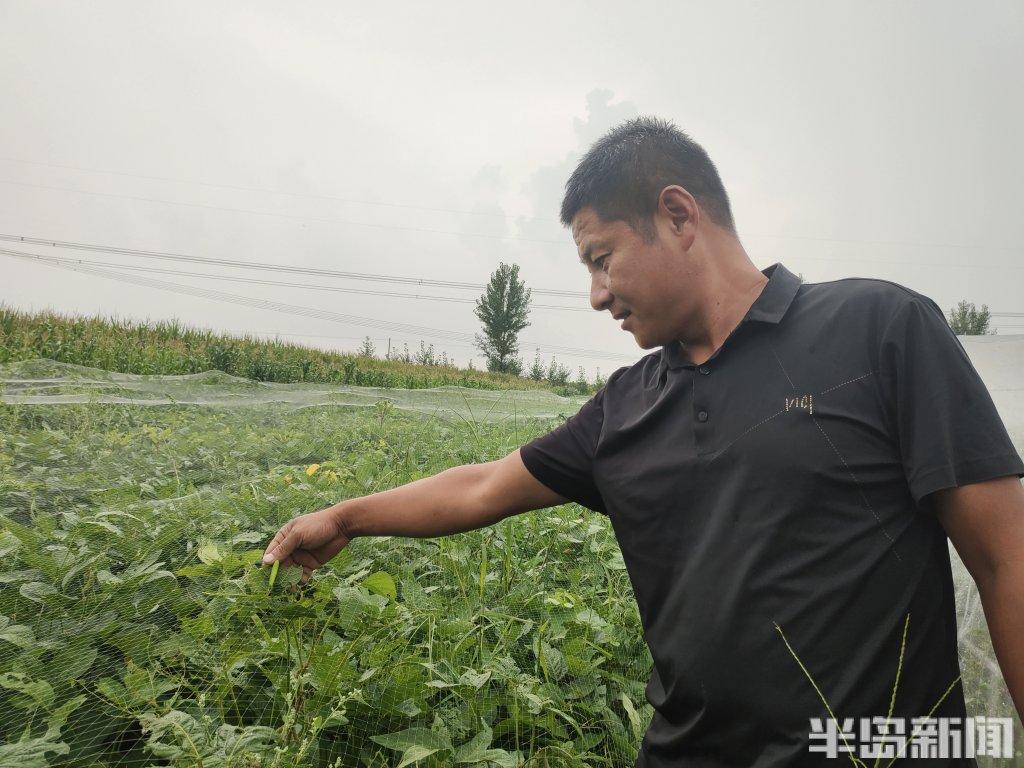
407 280
303 286
413 330
905 244
274 267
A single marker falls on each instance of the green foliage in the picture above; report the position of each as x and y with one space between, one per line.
367 348
537 370
137 626
167 348
967 320
503 310
557 374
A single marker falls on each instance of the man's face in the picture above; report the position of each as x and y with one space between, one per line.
634 280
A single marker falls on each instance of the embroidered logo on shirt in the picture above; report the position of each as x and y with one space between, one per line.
806 403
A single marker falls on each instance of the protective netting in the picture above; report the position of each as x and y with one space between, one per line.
42 382
137 628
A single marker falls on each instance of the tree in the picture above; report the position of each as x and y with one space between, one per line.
367 348
537 370
557 374
426 355
967 320
503 309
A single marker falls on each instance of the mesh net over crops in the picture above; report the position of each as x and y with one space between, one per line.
45 382
137 628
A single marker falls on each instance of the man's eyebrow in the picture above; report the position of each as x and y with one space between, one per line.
585 258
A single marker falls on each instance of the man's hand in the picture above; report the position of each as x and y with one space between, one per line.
309 541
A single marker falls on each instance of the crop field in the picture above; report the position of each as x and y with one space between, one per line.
169 347
137 627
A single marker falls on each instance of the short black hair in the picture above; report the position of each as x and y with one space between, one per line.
623 173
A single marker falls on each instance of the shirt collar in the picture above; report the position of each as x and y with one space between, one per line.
769 307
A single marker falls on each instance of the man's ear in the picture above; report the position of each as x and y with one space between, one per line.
678 207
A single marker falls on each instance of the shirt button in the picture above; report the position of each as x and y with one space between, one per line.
704 369
702 416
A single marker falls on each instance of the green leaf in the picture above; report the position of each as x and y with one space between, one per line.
381 583
8 543
554 661
209 553
30 753
423 738
197 570
634 717
34 693
252 739
414 754
250 537
172 729
56 719
18 635
474 678
591 618
114 692
472 751
290 575
29 574
37 591
71 663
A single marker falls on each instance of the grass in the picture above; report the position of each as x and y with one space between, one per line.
168 347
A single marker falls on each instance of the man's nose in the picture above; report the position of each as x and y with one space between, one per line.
600 297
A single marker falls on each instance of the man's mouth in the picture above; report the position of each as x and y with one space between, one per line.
623 317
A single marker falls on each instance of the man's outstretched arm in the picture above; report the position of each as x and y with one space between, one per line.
985 522
459 499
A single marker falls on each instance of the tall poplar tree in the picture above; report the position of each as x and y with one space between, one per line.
503 310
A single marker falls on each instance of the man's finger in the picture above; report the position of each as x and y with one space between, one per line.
289 541
274 542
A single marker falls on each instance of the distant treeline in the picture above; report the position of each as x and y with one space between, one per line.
166 347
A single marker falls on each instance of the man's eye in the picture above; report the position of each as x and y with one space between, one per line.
599 262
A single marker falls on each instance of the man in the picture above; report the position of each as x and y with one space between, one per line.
781 477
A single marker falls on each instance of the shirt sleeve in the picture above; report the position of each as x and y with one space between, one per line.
947 426
563 459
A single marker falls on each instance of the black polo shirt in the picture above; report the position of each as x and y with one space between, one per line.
768 505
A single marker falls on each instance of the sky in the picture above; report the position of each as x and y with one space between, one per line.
433 141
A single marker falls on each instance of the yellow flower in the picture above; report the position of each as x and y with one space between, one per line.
288 479
311 469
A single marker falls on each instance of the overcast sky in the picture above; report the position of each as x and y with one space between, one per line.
433 140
